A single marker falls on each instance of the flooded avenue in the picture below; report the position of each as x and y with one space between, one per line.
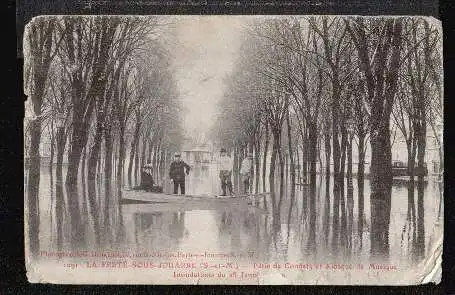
286 236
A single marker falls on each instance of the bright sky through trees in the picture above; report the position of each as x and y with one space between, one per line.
204 54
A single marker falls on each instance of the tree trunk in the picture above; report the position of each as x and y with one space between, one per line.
92 164
349 196
319 158
162 166
421 136
420 242
383 76
40 46
80 129
157 161
59 199
272 174
381 189
84 205
78 141
360 184
411 147
136 164
257 148
341 192
328 151
108 176
150 151
77 151
130 164
349 168
235 171
312 204
134 142
153 149
312 140
281 162
291 158
344 146
297 157
51 176
143 152
264 161
51 160
326 219
336 191
305 155
99 173
121 158
421 146
33 187
286 170
336 93
335 128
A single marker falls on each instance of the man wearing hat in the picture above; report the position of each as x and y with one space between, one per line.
245 172
177 173
225 165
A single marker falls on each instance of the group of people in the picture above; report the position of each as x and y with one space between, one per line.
179 168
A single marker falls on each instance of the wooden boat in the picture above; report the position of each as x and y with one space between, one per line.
203 201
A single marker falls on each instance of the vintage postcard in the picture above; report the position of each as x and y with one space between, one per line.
240 150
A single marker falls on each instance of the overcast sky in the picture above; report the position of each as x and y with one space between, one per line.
204 54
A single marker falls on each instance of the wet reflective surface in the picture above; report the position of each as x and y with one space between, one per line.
303 230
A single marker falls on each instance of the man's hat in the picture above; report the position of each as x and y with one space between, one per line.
223 150
176 154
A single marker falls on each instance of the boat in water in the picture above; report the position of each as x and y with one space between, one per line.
188 202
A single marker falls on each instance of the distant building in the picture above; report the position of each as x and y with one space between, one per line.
199 157
431 160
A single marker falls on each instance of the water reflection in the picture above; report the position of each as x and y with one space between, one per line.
150 229
324 222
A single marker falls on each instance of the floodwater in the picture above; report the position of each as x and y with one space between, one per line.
298 234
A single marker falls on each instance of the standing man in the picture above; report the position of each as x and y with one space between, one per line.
245 172
177 173
225 165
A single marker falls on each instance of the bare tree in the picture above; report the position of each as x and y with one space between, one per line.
378 45
86 57
42 48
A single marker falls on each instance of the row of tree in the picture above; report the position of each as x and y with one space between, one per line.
98 87
306 85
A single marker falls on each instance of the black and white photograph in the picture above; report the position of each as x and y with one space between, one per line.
233 149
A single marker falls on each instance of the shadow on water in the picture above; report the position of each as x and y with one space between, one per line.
413 230
324 222
326 213
420 247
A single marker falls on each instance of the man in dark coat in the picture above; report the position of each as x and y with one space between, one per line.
177 173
